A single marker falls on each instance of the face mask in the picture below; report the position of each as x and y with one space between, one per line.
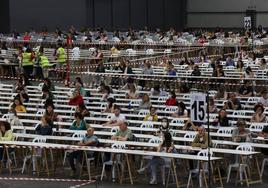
164 125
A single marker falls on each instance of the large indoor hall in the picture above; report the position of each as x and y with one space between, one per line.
133 93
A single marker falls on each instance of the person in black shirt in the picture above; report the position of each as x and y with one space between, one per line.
246 90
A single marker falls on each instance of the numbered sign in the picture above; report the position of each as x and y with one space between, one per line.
247 22
198 107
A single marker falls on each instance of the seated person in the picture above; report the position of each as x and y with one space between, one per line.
241 134
172 101
124 133
222 119
83 110
132 94
189 125
110 106
264 98
50 113
246 90
201 139
89 140
164 127
45 127
5 135
22 94
212 107
181 112
152 116
116 117
13 118
258 116
77 99
264 132
106 93
233 103
48 84
79 123
145 102
79 86
18 106
166 146
46 93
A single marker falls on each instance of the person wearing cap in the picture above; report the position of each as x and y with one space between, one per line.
201 139
124 133
6 134
241 134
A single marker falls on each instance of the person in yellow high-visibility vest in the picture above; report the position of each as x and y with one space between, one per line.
43 63
61 59
27 62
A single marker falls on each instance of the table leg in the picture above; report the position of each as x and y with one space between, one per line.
129 169
46 163
175 172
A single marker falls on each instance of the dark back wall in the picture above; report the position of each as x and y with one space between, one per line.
109 14
4 16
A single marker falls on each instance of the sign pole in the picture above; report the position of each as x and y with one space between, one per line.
209 171
67 79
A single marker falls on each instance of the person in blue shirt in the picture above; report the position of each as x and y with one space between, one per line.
89 140
45 128
79 123
229 62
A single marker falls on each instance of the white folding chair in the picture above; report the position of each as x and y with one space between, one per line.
111 162
200 170
241 167
75 135
143 112
171 109
256 127
38 139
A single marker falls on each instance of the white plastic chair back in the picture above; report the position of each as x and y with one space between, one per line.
204 153
135 102
244 147
190 135
256 127
109 116
239 113
171 109
39 112
39 139
147 124
114 129
149 51
79 135
177 121
143 112
155 140
75 53
162 99
223 130
118 146
103 105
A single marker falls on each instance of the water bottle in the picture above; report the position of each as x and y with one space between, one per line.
129 105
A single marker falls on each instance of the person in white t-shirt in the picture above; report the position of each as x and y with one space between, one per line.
116 118
264 98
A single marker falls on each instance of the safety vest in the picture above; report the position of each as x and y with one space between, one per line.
61 55
44 61
27 59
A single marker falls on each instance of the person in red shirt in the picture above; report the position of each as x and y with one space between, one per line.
172 101
26 36
77 99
